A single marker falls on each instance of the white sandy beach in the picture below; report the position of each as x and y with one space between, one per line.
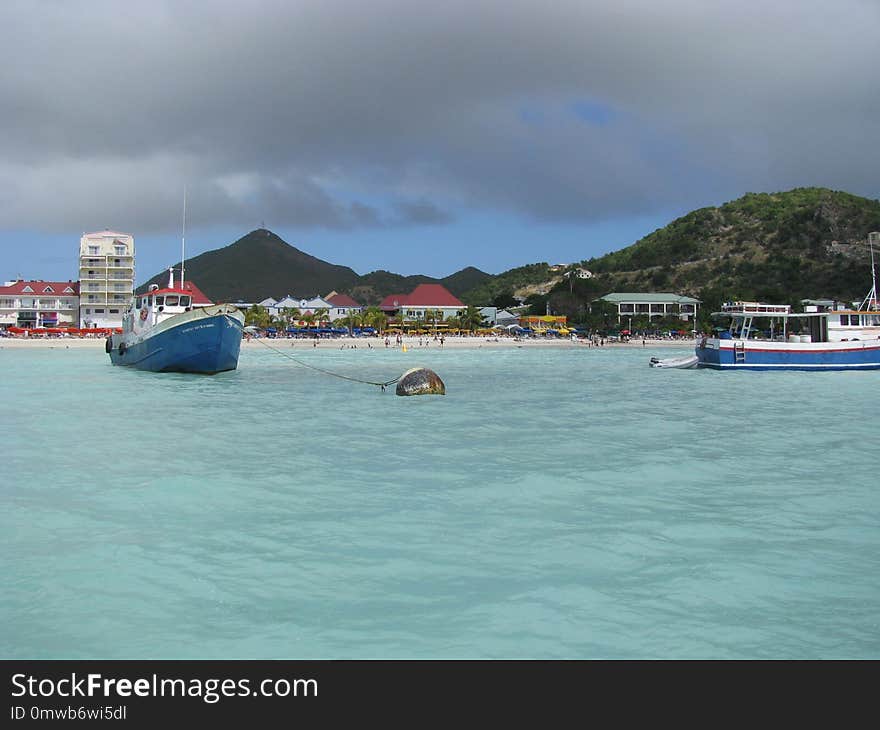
411 343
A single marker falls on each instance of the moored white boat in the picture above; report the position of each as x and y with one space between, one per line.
760 338
772 337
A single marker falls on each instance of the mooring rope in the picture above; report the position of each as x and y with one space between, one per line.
328 372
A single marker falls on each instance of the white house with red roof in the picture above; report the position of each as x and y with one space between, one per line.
424 297
33 304
341 305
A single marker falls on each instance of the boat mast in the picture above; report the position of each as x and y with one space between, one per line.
870 301
183 239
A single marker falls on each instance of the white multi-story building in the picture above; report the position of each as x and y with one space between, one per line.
106 275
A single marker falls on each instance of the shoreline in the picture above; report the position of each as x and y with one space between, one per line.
451 343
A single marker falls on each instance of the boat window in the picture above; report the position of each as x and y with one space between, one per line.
171 301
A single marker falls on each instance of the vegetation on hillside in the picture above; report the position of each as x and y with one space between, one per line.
781 247
776 247
507 283
260 265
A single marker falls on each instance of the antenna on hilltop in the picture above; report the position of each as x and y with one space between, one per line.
870 301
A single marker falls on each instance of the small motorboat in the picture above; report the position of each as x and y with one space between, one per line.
689 361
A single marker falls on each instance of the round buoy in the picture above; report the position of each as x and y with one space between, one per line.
420 381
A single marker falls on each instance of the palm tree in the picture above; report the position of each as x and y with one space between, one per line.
351 320
433 316
292 314
257 316
374 317
279 321
308 318
470 318
455 322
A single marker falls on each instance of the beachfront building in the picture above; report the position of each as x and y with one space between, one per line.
651 305
503 318
341 305
315 305
35 304
106 276
493 316
544 322
427 302
276 307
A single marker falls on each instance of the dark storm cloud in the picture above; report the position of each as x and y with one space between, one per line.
351 114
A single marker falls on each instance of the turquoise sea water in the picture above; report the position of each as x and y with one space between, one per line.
555 503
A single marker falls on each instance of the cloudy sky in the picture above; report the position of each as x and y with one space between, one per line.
419 137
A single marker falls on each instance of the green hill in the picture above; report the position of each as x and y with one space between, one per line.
372 288
776 247
260 265
787 246
465 280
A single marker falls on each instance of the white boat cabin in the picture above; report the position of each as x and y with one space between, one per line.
776 322
157 305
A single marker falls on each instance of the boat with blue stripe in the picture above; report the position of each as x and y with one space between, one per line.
165 330
771 337
825 336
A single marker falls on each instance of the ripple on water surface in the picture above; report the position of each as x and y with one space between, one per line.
564 503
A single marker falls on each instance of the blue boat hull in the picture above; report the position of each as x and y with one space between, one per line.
833 357
209 345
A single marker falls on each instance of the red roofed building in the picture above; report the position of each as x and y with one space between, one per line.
435 296
342 305
425 298
34 304
392 303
